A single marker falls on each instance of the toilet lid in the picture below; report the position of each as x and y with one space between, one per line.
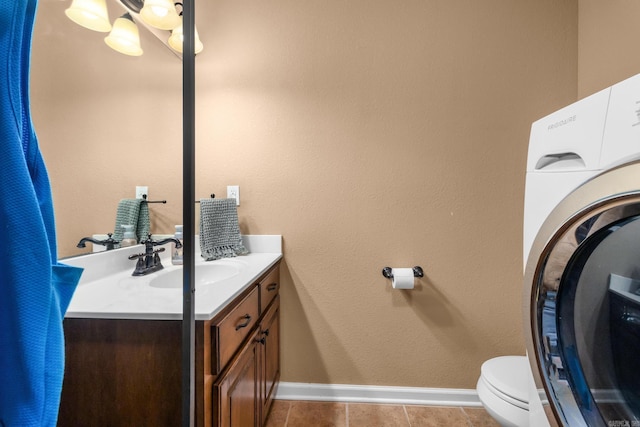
508 375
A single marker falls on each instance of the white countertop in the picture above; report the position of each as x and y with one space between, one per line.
107 290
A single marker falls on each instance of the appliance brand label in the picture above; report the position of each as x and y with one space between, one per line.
563 122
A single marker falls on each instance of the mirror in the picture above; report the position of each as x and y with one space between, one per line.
106 123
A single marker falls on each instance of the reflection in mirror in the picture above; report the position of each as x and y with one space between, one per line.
106 123
587 308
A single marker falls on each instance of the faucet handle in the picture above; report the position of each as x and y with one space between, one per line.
149 243
110 242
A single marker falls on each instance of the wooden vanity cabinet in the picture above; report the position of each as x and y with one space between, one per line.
269 357
236 392
228 333
269 288
128 372
244 389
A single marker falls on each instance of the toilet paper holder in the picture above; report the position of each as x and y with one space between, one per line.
388 272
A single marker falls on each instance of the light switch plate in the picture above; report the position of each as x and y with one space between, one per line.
233 192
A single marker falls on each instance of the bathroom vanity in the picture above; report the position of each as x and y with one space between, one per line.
123 358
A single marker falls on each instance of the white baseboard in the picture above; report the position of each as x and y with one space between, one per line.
377 394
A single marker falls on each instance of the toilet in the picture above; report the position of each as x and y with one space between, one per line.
503 390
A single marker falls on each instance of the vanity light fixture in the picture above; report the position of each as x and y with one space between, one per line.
177 37
160 14
124 36
91 14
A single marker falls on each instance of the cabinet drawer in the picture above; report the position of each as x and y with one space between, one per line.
231 331
269 288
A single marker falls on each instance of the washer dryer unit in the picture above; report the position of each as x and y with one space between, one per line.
581 293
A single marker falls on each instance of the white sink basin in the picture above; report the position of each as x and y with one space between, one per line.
205 275
107 290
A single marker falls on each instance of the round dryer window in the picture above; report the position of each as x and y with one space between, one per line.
582 304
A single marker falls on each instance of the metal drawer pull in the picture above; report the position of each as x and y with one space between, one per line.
263 340
246 323
272 287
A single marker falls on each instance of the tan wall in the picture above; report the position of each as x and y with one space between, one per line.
608 43
366 133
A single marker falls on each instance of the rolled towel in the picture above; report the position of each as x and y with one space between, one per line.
219 229
133 212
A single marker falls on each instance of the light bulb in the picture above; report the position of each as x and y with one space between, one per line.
176 40
124 36
91 14
160 14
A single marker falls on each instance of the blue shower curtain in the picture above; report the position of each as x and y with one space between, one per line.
34 289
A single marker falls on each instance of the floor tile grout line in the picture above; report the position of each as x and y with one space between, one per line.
469 422
286 420
406 414
346 411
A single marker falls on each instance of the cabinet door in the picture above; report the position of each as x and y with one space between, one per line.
236 391
121 372
270 356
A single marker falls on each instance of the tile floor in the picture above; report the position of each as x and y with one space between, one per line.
288 413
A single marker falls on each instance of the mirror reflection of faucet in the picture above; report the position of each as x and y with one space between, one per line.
108 243
149 261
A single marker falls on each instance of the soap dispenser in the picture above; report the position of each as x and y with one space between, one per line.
129 237
177 253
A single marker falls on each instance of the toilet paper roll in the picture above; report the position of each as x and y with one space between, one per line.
402 278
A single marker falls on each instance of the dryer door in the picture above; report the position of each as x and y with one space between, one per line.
582 304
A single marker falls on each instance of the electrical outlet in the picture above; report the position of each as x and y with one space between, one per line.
141 190
233 192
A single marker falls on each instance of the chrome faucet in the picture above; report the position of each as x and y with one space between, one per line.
108 243
149 261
